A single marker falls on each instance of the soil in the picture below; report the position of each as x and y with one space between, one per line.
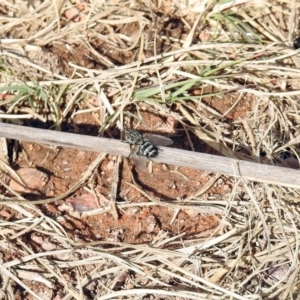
65 167
136 224
151 194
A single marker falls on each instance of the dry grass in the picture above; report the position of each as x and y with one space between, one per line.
241 50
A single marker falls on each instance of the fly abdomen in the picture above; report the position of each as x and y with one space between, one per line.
148 149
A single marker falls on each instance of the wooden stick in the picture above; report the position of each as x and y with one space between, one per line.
212 163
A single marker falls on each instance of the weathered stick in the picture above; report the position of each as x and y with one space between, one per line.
212 163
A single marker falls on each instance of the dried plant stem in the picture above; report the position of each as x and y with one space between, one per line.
212 163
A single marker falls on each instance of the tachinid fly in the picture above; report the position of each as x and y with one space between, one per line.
145 145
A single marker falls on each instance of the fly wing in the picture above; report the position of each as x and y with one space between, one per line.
159 140
139 161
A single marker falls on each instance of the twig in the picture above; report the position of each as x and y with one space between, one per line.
212 163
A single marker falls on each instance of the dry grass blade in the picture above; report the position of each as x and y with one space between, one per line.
221 78
114 189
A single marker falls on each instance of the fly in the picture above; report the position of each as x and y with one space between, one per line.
144 146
